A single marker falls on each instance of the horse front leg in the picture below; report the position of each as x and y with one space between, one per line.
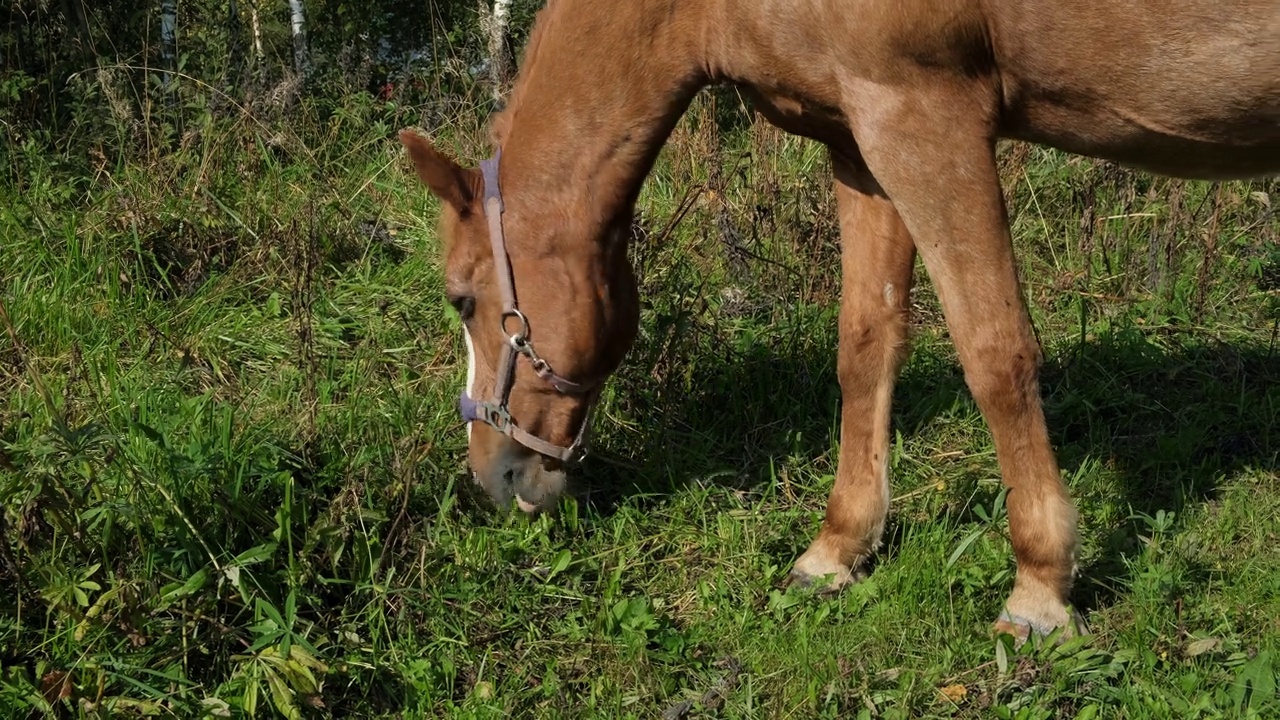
931 147
876 263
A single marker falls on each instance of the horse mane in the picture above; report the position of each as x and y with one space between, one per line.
500 124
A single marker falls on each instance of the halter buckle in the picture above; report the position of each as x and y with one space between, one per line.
496 415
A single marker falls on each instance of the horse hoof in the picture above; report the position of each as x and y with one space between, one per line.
1021 627
827 580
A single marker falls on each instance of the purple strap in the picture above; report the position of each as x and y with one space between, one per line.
489 171
470 409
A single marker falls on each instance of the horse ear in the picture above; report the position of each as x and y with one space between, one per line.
452 183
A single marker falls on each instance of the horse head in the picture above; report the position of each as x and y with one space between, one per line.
549 307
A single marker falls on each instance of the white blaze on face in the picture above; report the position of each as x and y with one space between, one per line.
471 371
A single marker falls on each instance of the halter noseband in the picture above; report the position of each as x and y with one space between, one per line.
494 412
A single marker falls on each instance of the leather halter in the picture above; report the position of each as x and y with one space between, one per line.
494 412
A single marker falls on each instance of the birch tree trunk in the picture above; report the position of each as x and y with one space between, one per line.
499 60
257 35
298 23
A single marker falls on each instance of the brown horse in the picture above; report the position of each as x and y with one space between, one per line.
910 97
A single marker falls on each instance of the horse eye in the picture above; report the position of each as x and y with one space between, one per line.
464 304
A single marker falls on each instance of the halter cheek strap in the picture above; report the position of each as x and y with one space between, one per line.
495 412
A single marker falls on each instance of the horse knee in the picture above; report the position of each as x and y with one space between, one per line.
1004 378
870 347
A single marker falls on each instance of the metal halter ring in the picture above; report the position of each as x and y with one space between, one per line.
519 338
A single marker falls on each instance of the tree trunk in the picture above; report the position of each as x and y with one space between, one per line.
235 42
256 57
168 41
298 23
499 58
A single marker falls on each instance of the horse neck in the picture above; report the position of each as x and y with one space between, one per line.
593 105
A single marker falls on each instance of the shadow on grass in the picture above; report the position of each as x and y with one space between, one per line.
717 420
1165 416
1170 417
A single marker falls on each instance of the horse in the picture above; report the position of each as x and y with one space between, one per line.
909 98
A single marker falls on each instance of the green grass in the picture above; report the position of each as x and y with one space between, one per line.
233 477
